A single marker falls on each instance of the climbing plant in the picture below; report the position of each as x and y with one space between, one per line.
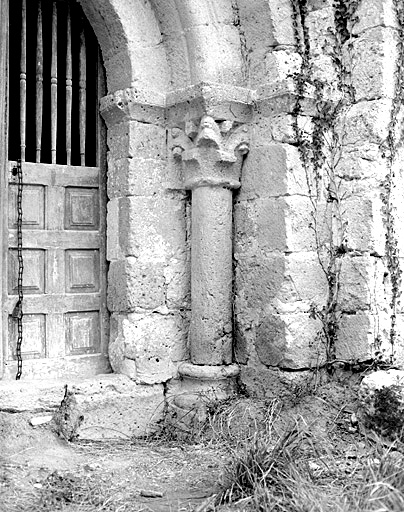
389 148
320 153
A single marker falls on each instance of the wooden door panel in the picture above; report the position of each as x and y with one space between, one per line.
34 327
82 333
33 207
82 210
82 271
34 271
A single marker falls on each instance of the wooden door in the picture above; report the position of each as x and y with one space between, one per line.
58 140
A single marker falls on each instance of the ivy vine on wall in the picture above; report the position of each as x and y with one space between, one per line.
389 148
320 153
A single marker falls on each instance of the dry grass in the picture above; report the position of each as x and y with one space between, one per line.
60 491
305 458
288 473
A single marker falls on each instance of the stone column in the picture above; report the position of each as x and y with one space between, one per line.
211 166
212 155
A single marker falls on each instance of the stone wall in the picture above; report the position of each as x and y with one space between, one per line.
312 265
315 86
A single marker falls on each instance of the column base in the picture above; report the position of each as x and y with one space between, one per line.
200 386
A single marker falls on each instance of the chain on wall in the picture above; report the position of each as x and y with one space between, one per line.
17 312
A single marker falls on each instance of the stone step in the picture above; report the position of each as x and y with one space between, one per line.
100 407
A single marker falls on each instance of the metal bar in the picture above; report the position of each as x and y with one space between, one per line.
68 87
82 96
39 84
54 83
23 80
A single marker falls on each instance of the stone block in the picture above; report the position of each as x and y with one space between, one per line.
289 341
272 171
367 121
323 69
133 284
112 406
177 275
114 250
137 140
272 383
281 65
362 284
398 349
258 280
279 224
118 71
276 126
153 229
221 62
288 283
363 163
373 57
320 24
374 13
141 177
154 342
356 336
133 104
281 14
365 230
194 13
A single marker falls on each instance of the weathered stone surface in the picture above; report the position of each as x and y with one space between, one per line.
211 99
374 13
114 250
290 284
141 177
272 171
211 276
135 284
363 163
289 341
376 46
362 283
283 223
357 334
177 276
137 140
146 346
280 65
112 406
367 121
153 229
365 230
133 104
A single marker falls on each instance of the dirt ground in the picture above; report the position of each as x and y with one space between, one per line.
40 472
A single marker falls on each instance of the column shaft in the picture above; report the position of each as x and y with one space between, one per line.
211 281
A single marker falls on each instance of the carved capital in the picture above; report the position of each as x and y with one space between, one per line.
211 151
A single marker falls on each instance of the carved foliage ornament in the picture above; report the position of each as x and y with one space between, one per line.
211 152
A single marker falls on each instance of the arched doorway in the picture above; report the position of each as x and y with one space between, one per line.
53 193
